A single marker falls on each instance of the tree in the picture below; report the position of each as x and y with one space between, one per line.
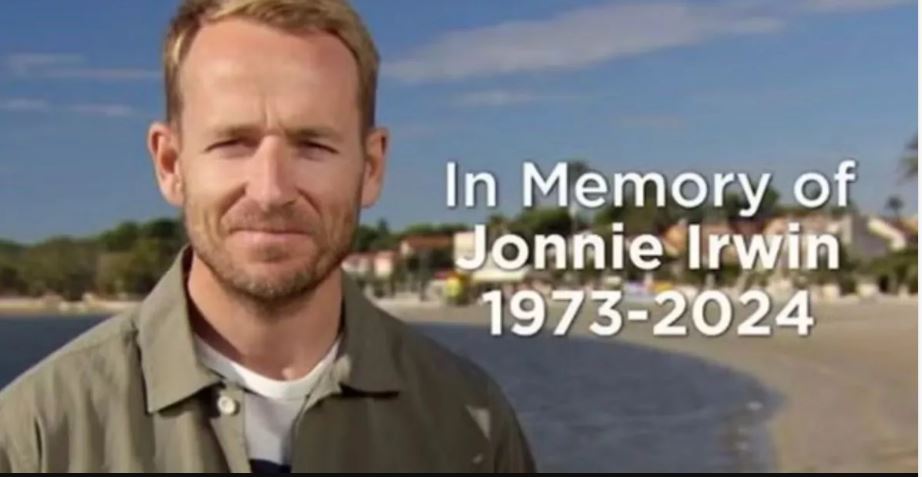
11 283
648 218
62 265
542 220
575 169
120 239
769 205
895 269
363 237
733 204
373 239
428 229
168 232
497 225
9 249
895 205
910 159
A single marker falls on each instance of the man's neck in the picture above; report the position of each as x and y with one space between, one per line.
283 343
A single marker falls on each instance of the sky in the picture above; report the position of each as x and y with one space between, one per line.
637 85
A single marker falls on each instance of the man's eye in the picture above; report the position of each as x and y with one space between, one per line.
315 147
229 146
229 142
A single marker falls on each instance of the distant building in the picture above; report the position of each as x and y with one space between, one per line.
463 245
815 224
384 263
418 244
489 274
863 237
675 240
371 265
358 264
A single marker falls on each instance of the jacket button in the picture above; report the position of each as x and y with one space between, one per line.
227 405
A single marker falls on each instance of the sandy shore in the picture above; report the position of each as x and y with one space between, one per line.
847 392
39 306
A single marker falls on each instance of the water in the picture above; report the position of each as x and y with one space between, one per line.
585 405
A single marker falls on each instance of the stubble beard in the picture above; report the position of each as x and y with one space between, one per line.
333 243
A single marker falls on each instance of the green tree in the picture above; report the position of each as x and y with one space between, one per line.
11 282
63 265
121 238
648 218
147 262
363 238
895 205
168 232
770 204
543 220
575 169
429 229
10 250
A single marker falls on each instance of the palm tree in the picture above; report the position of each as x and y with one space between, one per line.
497 224
575 169
895 205
910 159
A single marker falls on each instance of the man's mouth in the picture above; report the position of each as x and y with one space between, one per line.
269 236
262 230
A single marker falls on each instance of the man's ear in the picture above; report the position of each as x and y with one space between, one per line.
163 145
376 144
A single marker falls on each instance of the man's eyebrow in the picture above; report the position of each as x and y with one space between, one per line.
302 133
314 132
235 130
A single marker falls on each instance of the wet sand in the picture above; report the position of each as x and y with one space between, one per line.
846 393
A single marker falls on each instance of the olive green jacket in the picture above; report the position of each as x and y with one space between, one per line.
130 395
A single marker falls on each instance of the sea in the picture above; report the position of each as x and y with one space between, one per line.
585 405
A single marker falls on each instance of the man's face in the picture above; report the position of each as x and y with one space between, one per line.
273 165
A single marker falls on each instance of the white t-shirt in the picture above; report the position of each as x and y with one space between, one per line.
270 408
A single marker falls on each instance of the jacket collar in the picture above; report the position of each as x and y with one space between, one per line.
369 347
169 363
172 371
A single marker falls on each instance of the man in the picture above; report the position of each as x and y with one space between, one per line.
254 352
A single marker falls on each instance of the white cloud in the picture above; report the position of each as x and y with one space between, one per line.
101 109
113 74
23 105
591 35
852 5
24 63
33 105
501 97
65 66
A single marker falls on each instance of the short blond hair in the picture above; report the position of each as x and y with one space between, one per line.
335 17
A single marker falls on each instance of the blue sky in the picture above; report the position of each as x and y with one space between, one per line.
667 86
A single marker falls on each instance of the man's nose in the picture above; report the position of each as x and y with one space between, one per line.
271 183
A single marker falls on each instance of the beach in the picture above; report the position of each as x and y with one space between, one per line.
841 399
846 395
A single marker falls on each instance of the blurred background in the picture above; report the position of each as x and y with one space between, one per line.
610 86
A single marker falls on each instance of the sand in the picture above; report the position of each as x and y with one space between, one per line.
848 391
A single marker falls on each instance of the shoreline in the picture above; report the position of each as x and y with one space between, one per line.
19 306
25 306
847 394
